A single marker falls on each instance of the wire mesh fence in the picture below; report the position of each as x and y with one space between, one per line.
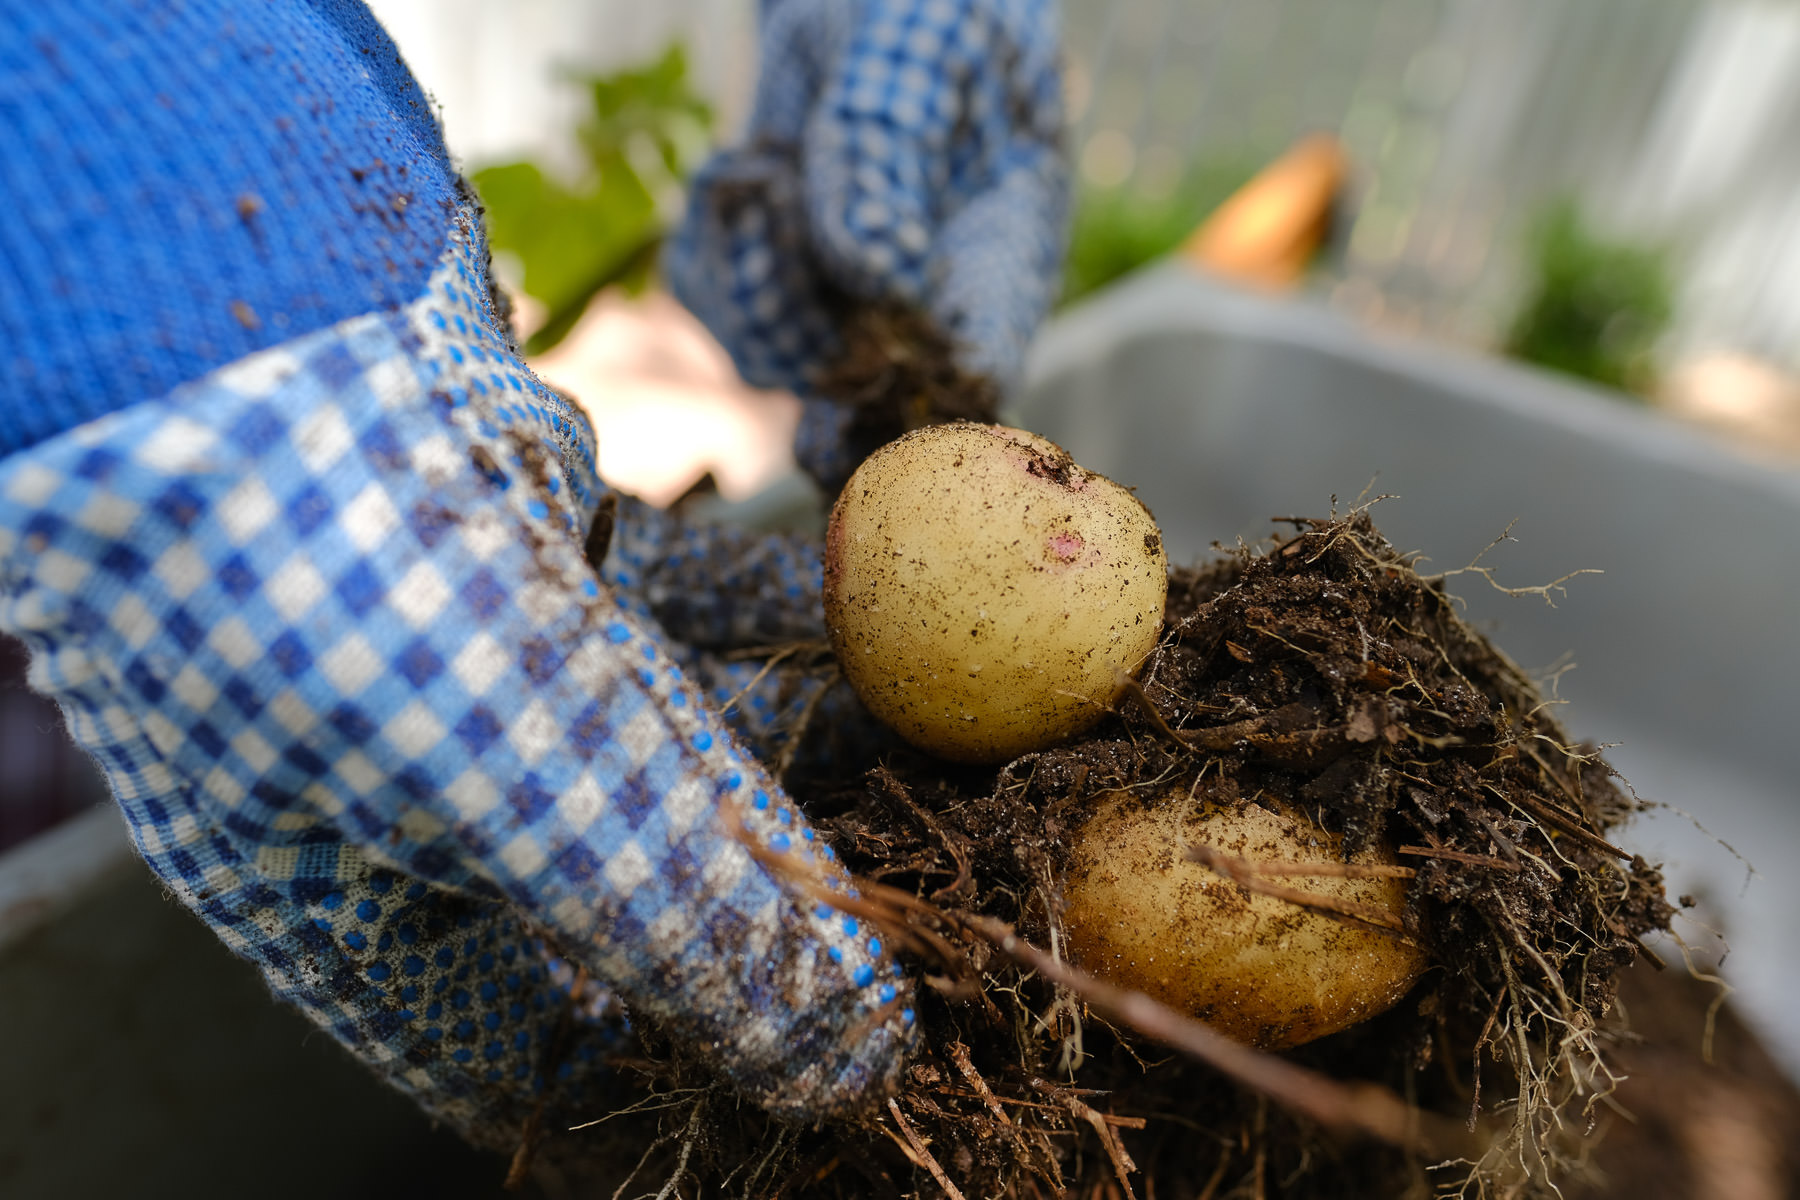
1671 122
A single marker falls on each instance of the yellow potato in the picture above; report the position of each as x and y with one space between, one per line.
1259 969
984 594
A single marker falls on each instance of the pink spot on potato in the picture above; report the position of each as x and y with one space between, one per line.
1064 546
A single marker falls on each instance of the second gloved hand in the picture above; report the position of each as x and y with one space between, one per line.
905 152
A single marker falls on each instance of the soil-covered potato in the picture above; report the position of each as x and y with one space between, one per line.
1256 965
985 595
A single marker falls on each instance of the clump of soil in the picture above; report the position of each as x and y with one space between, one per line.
897 372
1322 669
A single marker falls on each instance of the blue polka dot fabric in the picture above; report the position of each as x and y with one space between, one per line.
323 615
906 151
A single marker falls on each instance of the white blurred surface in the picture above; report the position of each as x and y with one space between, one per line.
666 404
1741 397
496 68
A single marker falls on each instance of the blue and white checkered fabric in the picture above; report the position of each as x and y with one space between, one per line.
715 588
323 617
900 150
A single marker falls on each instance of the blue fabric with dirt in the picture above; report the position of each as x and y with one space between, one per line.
190 183
301 548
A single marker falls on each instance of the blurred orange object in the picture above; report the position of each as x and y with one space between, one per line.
1268 230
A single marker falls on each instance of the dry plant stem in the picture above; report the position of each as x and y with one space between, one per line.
922 1155
687 1150
1353 1108
963 870
532 1136
1356 1108
776 655
1278 869
1244 873
1285 727
1718 1001
777 1147
1102 1124
1475 1056
879 903
1473 860
1542 590
1570 825
654 1102
1212 1181
649 1150
801 723
519 1169
959 1054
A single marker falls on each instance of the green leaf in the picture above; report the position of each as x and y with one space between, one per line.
653 104
564 238
575 238
632 272
1117 230
1594 307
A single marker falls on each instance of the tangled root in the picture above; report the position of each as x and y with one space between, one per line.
1325 670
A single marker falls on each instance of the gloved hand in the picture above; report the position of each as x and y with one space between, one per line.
297 542
902 151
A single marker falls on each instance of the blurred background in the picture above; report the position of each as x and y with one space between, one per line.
1622 169
1608 190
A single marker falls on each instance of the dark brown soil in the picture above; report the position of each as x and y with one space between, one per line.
1324 670
898 372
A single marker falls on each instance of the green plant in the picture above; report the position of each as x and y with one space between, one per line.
1594 308
1117 230
573 239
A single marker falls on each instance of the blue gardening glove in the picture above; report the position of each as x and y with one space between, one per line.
900 151
298 544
